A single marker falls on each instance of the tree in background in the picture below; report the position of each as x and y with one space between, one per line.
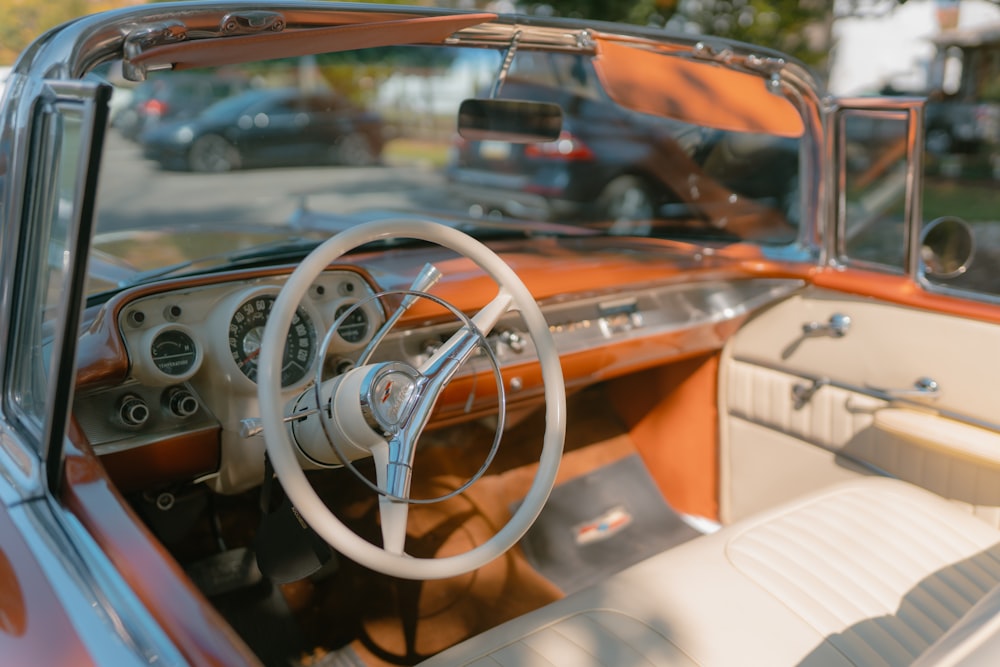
800 28
639 12
21 21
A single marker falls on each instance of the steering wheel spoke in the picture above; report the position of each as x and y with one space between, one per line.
427 278
393 472
463 343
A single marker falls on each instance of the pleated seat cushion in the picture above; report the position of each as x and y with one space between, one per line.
872 572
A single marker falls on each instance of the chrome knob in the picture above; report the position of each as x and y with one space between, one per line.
181 403
133 411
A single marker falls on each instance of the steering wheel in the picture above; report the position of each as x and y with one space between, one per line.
389 435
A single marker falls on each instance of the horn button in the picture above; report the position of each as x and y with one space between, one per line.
389 396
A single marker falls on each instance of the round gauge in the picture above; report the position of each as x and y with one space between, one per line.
246 330
174 353
355 327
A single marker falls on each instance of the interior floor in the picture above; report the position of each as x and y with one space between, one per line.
333 603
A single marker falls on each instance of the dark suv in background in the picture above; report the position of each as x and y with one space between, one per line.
602 165
624 168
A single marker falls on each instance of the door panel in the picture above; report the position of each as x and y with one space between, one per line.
801 410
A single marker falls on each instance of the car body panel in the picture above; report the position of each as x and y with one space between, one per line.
192 625
32 614
136 484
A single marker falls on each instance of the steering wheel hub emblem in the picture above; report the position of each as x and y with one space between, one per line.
389 394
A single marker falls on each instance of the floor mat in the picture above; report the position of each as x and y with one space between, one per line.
598 524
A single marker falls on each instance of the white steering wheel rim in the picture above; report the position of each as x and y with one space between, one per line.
282 452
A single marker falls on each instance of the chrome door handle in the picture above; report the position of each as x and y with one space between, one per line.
837 326
802 393
924 387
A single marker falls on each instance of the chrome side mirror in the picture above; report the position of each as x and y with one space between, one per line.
946 248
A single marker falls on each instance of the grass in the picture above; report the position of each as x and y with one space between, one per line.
973 201
423 152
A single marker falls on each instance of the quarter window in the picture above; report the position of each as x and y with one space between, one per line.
874 173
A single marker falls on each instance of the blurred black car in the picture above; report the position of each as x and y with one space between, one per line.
612 163
163 99
269 127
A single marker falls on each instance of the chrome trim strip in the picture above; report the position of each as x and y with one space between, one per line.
965 294
109 619
588 323
19 467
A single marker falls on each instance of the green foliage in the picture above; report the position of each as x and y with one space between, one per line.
800 28
639 12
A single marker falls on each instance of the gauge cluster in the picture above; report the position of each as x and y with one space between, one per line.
210 336
192 355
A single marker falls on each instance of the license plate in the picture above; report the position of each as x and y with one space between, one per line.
494 150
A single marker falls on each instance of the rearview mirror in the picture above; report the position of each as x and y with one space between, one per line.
516 121
946 248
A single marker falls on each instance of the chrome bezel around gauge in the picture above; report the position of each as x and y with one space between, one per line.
251 309
154 368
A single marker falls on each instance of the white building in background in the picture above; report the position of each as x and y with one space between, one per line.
894 49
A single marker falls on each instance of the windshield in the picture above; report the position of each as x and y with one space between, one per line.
300 148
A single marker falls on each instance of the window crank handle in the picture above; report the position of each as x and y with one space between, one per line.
837 326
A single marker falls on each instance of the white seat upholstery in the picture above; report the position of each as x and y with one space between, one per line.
872 572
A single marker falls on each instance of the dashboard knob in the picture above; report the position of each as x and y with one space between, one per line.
180 402
512 339
133 411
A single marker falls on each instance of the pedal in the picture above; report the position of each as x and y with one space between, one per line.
225 572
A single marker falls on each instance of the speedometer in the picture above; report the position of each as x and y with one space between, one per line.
246 330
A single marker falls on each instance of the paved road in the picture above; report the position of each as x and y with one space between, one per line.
136 193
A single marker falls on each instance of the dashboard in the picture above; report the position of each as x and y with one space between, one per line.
192 356
184 406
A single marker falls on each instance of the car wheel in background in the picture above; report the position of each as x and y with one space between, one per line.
354 150
628 204
212 153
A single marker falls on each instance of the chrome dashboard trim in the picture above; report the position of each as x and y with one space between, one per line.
590 322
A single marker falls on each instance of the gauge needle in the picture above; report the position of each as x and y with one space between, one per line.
250 357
